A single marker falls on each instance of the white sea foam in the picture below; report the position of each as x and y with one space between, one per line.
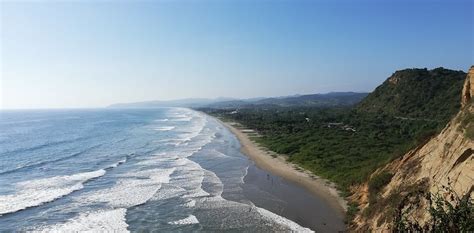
133 188
180 115
168 159
190 204
162 120
189 176
126 193
186 182
118 163
173 141
195 129
191 219
294 227
199 192
36 192
157 175
168 192
217 186
164 128
245 174
218 202
131 191
218 154
99 221
183 119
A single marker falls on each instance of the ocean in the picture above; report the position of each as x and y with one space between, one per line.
167 169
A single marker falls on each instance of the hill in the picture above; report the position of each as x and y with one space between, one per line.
331 99
430 187
346 145
417 93
388 152
315 100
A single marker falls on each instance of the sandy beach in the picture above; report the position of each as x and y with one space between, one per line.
277 165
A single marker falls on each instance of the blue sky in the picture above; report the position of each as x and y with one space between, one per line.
58 54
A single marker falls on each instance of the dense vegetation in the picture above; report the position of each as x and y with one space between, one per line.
346 144
323 140
417 93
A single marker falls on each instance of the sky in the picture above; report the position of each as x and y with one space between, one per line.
84 53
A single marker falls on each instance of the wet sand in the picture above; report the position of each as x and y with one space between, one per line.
288 190
291 201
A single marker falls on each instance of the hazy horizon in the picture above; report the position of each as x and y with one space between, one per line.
93 54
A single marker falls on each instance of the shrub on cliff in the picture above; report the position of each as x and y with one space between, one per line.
377 183
449 212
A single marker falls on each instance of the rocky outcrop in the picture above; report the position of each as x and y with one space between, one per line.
444 160
468 88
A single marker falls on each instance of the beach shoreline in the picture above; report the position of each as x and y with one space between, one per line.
277 165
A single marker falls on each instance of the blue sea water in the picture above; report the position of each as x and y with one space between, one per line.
169 169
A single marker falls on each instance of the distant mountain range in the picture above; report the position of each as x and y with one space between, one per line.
190 102
313 100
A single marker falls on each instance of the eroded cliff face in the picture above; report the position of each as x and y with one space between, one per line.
468 88
445 160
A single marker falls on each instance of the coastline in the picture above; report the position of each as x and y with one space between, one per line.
278 165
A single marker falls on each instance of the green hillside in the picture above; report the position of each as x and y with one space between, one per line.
346 144
333 99
417 93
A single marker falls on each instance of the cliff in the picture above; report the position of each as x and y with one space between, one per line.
445 160
468 88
